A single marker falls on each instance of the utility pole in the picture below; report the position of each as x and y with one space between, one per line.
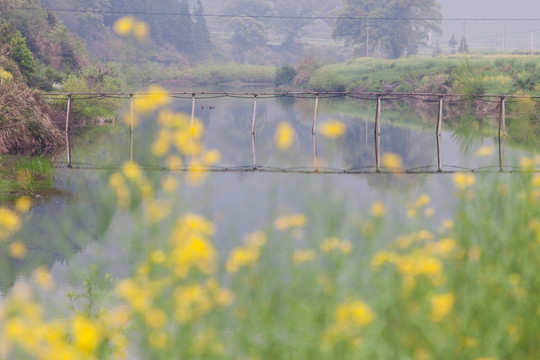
532 43
367 38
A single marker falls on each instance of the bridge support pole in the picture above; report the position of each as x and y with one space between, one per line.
377 134
68 148
439 134
315 114
131 122
502 133
253 132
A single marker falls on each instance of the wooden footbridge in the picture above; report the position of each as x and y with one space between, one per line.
379 98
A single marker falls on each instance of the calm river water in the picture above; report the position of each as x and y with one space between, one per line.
69 235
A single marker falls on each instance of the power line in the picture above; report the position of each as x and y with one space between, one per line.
365 18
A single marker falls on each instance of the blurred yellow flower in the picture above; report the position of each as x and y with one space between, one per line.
463 180
23 204
43 278
155 318
290 221
9 221
141 30
124 25
527 164
441 305
285 135
155 97
377 209
392 161
333 129
17 250
302 256
484 151
356 313
87 335
422 200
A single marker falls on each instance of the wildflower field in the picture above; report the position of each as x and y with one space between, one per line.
466 287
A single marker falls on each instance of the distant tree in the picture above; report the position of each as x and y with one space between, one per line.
453 43
437 50
285 75
292 16
201 35
248 32
463 46
405 26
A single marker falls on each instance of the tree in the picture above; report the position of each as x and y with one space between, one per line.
463 46
293 16
400 25
248 32
453 43
201 35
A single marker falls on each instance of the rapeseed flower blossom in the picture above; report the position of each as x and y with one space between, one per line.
290 221
332 129
285 135
23 204
155 98
484 151
441 305
463 180
392 161
377 209
302 256
17 250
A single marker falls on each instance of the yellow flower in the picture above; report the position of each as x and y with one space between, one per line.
17 250
43 278
155 318
302 256
158 257
9 220
378 209
87 335
423 200
285 135
356 313
485 151
158 340
155 98
211 157
242 257
141 30
441 305
124 25
527 164
23 204
463 180
332 129
290 221
392 161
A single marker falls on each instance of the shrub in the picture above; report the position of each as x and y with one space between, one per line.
285 75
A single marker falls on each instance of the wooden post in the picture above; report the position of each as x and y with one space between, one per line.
131 122
377 133
438 133
68 148
254 114
315 114
502 133
192 112
315 153
253 131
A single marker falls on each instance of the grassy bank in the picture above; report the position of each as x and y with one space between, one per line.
474 74
25 176
210 74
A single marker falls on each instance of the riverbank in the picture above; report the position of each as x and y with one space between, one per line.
471 74
26 176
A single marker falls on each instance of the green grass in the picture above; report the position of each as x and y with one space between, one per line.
25 176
